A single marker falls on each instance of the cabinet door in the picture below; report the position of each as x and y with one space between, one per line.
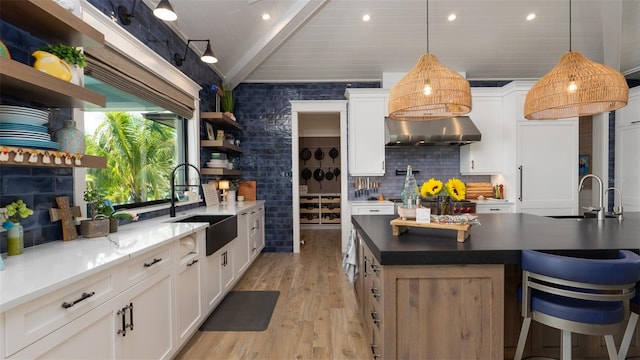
91 336
151 335
547 155
212 281
628 166
484 157
241 248
256 238
366 135
188 296
226 256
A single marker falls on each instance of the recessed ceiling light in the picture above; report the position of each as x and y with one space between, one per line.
366 17
531 16
266 16
451 17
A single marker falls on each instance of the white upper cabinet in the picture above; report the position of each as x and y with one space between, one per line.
367 110
485 156
630 114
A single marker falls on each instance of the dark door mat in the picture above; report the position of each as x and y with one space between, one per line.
242 311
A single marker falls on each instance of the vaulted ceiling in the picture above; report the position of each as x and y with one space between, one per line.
327 40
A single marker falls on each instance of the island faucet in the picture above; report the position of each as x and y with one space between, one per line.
172 209
617 210
600 208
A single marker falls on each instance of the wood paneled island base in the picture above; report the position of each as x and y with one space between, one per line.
423 295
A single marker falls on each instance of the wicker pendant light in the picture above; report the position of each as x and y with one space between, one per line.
430 91
575 87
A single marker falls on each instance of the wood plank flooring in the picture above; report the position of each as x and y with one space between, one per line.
316 316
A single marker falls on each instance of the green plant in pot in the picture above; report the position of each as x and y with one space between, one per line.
72 56
98 225
114 216
228 103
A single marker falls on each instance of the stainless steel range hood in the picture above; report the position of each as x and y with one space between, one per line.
458 131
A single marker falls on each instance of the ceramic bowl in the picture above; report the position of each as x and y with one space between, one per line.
407 213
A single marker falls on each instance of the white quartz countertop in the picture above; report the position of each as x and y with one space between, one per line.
56 264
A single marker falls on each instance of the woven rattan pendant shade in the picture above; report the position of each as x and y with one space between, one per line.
450 93
598 88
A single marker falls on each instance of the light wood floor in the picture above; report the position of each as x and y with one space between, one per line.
316 315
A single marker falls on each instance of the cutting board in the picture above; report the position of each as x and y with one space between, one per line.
248 190
475 189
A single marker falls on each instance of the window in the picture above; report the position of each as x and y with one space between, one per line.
142 143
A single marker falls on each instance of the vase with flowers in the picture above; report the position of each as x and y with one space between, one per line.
15 233
444 193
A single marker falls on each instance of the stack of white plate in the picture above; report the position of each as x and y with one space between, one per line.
218 163
22 126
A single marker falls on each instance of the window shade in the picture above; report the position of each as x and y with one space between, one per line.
110 67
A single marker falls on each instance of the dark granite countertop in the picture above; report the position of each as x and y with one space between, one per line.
498 240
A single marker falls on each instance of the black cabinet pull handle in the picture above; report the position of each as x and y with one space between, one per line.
374 351
521 190
131 316
375 268
84 296
376 294
123 330
374 317
635 122
365 267
193 262
155 261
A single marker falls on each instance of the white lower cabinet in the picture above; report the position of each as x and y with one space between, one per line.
147 307
494 208
134 325
242 250
227 273
188 289
256 231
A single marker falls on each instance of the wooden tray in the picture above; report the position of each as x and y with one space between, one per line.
399 226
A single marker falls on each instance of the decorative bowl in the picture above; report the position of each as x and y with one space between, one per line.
407 213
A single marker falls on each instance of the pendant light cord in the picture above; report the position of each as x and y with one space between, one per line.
570 26
427 26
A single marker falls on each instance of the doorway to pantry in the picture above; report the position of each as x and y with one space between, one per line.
318 144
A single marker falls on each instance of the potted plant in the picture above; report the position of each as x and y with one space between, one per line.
114 216
227 103
97 225
73 56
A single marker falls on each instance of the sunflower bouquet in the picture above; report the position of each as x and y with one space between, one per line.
453 188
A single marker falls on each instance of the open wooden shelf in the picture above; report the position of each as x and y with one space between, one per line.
51 22
220 145
23 81
220 171
221 120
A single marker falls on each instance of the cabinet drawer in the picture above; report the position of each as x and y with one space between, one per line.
493 209
37 318
146 265
373 210
376 343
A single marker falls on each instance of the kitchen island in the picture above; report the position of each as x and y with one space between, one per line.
424 295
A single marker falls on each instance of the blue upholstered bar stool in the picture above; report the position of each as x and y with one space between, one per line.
586 296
